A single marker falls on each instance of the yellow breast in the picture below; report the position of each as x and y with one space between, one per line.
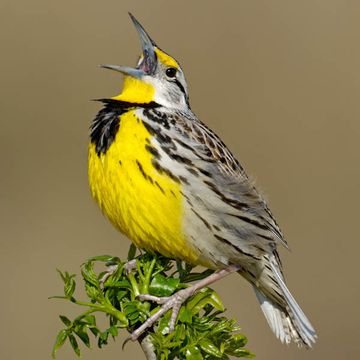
145 205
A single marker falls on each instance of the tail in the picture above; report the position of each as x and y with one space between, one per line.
284 315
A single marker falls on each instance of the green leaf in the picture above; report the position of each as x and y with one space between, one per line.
62 275
113 279
65 320
103 338
195 299
113 330
163 327
69 283
102 258
134 311
84 337
69 288
92 291
185 315
162 286
124 284
90 319
60 339
58 297
89 275
216 301
180 332
95 331
74 344
210 348
121 294
241 353
132 252
222 326
203 298
193 353
236 341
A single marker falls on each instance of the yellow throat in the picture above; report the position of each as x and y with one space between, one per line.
140 199
138 91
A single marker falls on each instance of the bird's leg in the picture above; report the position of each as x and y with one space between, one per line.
175 301
111 269
130 265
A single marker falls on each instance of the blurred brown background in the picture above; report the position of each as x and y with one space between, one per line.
279 81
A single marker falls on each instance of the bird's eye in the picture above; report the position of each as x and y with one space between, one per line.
171 72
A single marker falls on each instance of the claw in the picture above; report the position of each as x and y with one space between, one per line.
110 270
125 342
130 265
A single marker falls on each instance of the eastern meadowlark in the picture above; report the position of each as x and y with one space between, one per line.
169 183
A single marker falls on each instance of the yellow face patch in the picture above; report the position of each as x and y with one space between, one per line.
165 59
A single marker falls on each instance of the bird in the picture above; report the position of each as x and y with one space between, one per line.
167 182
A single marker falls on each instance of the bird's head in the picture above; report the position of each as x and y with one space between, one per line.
156 78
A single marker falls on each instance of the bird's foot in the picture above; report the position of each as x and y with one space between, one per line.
112 268
130 266
173 302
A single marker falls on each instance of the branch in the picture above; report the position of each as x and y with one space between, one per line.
148 348
201 332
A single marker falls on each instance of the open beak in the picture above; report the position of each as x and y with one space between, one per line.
147 65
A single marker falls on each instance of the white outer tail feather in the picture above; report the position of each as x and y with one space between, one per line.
289 324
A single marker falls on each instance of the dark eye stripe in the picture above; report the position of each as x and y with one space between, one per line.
178 83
